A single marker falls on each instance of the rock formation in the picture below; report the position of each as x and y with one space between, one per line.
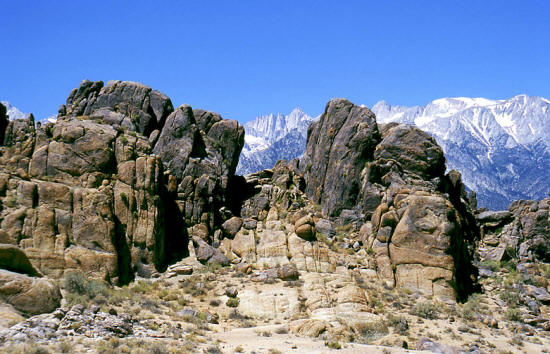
522 231
338 146
112 187
391 180
366 240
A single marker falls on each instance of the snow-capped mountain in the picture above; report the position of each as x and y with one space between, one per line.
13 112
501 147
271 138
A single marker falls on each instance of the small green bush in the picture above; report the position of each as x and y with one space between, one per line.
232 302
513 315
333 345
511 297
77 284
425 310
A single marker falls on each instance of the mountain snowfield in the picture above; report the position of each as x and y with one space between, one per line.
271 138
501 147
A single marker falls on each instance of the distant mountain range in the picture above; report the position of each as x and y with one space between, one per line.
271 138
501 147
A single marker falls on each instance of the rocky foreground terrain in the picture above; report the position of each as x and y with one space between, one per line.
123 228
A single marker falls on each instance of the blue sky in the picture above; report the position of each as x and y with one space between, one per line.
246 58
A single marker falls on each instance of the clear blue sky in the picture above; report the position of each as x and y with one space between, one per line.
246 58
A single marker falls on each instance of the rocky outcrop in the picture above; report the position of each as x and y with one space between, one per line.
75 321
113 186
277 228
522 231
131 105
391 180
338 146
200 151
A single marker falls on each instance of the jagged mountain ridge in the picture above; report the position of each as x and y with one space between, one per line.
273 137
501 147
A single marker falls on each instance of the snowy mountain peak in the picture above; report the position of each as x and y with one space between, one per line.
272 137
273 127
501 147
13 112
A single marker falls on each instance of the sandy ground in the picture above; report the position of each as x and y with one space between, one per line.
251 340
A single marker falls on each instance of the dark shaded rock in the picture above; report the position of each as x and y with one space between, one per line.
202 162
208 254
250 224
232 226
338 146
14 259
131 105
179 140
406 152
492 216
288 272
4 121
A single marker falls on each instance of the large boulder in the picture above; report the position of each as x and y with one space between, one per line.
29 295
408 151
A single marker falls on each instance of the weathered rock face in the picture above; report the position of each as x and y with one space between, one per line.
131 105
201 151
391 179
523 230
114 184
338 146
4 120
